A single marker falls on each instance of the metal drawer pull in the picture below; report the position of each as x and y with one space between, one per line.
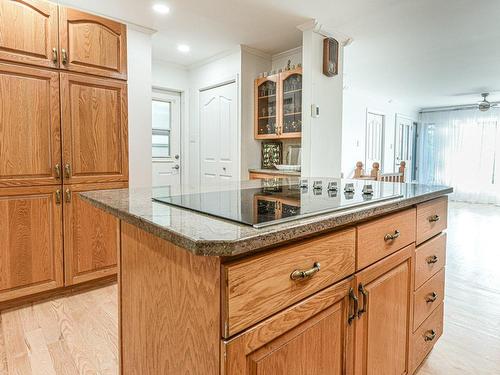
432 259
68 195
67 170
364 293
54 55
301 275
58 196
393 236
434 218
356 306
64 56
57 170
431 297
430 335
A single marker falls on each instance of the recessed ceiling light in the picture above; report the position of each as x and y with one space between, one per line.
183 48
161 8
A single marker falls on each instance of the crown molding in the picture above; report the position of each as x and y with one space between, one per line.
255 52
318 28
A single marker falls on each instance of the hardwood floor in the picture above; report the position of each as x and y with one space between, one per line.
78 334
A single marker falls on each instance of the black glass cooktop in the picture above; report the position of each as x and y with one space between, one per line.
278 202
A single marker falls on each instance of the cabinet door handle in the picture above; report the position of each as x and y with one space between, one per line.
392 236
431 297
434 218
57 170
430 335
54 55
364 293
64 56
68 195
301 275
432 259
58 196
355 307
67 170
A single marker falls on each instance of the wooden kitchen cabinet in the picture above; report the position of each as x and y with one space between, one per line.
382 326
91 236
30 149
91 44
94 128
311 337
28 32
31 254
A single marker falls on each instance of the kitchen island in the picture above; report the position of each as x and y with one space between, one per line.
358 290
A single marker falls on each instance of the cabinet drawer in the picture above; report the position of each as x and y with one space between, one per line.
432 218
375 241
430 258
258 287
426 336
427 298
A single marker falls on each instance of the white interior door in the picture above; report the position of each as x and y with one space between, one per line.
219 134
375 130
166 133
403 145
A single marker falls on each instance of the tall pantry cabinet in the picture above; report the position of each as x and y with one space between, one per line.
63 130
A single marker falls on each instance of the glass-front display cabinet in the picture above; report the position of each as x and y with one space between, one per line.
278 105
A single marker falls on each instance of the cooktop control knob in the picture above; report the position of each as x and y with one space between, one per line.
349 187
303 183
368 190
332 186
318 185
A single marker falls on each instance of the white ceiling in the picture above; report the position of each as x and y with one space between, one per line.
423 52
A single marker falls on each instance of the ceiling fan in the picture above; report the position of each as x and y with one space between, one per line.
485 105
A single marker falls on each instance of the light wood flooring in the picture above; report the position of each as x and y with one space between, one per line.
78 334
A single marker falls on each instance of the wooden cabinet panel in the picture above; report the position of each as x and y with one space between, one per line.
30 241
91 236
383 325
430 258
373 243
28 32
92 44
260 286
30 143
311 337
427 298
432 218
94 125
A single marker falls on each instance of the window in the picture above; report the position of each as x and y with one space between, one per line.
162 119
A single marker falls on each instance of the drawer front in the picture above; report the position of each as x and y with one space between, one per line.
426 336
260 286
384 236
430 258
432 218
427 298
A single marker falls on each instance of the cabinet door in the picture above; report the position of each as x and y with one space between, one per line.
28 32
30 241
382 327
91 236
311 337
94 126
30 142
92 44
266 107
290 123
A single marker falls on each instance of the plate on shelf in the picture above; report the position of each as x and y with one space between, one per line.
288 167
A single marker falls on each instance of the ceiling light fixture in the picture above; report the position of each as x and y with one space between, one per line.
183 48
161 8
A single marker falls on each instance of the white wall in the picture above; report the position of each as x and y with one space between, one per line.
321 137
356 103
139 107
280 60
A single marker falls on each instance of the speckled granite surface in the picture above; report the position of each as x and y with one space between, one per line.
275 171
207 235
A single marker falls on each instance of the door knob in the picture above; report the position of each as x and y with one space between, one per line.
176 157
176 167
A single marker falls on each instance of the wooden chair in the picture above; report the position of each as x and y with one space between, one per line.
376 175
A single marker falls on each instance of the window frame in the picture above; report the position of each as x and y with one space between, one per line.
156 131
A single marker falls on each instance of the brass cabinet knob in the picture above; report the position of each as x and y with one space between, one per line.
54 55
431 297
430 335
432 259
64 56
301 275
434 218
68 195
67 170
57 171
392 236
58 196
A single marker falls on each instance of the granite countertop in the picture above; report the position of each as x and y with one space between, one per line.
274 171
207 235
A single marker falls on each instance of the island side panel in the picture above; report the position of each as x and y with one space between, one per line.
169 307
